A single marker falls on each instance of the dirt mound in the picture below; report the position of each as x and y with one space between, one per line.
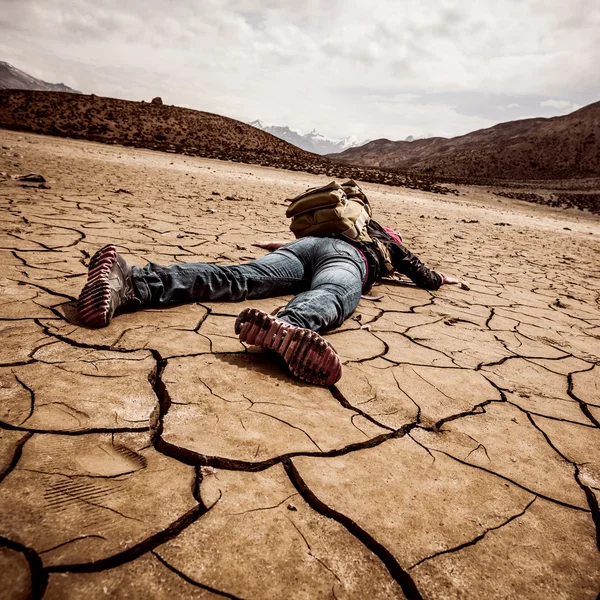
179 130
530 149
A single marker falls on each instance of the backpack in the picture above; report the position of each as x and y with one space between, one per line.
333 208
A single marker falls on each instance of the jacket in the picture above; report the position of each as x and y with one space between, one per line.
385 255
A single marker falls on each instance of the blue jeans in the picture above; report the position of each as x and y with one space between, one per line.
326 275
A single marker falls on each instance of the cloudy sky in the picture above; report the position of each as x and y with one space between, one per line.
376 68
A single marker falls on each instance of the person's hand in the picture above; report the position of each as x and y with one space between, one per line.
447 279
269 245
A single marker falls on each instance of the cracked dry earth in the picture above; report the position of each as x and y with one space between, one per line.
458 457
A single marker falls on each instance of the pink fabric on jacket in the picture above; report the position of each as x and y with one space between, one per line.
397 237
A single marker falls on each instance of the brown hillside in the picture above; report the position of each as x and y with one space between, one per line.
174 129
141 124
557 148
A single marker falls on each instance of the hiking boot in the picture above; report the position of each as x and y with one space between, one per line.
109 288
308 356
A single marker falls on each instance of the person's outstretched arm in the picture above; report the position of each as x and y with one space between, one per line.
270 245
407 263
448 279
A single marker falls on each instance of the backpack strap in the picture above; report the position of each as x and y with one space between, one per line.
385 254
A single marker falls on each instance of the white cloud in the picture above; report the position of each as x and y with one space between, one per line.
401 116
509 106
560 105
343 66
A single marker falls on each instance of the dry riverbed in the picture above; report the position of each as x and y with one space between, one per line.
458 457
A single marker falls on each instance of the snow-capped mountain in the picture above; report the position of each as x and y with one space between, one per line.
312 142
15 79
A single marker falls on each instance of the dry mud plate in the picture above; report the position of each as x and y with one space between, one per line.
458 457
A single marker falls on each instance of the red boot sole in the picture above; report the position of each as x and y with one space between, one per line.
93 304
308 356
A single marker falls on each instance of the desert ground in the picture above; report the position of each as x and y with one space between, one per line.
458 457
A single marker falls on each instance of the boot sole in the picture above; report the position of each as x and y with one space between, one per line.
307 355
93 305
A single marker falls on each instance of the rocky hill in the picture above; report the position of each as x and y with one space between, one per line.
529 149
143 124
173 129
12 78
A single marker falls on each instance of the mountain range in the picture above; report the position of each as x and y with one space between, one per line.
311 142
529 149
12 78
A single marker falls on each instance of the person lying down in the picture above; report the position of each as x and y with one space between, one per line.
326 274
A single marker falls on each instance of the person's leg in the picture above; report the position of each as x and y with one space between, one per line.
338 271
113 286
276 274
